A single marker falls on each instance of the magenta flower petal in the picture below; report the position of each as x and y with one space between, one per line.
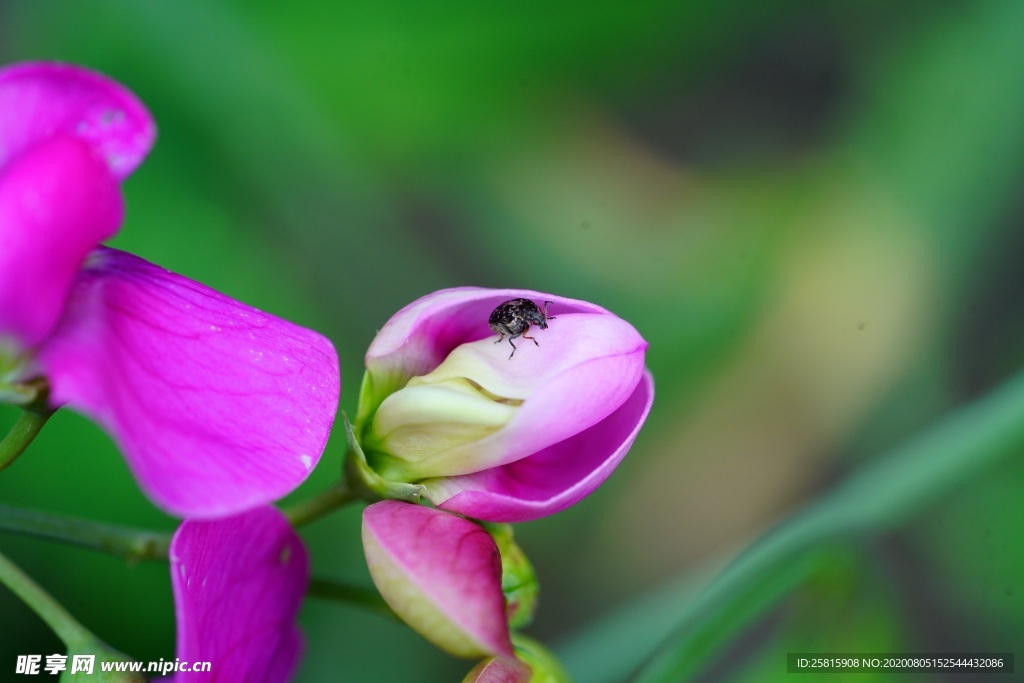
58 200
588 365
67 135
552 479
218 407
417 338
238 583
495 437
41 100
441 574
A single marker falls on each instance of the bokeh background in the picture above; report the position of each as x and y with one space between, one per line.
812 211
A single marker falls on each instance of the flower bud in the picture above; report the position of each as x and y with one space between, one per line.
545 666
533 664
496 437
441 574
499 670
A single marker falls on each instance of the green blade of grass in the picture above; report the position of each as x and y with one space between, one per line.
882 494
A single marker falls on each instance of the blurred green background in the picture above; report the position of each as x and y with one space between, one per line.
812 211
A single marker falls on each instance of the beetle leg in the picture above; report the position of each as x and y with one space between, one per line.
513 345
526 336
546 304
501 338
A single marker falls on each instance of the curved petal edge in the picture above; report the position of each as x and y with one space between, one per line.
552 479
238 584
39 100
217 406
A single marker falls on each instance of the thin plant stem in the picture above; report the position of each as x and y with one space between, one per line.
139 544
306 511
357 595
129 543
67 628
135 544
21 435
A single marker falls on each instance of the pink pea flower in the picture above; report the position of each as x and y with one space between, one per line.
441 574
238 584
218 407
498 438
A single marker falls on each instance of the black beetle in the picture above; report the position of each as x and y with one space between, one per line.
514 318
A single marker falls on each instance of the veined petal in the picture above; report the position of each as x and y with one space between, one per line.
58 200
441 574
39 100
553 479
238 584
584 368
218 407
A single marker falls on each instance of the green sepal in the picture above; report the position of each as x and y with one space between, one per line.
546 667
30 394
518 580
374 389
365 482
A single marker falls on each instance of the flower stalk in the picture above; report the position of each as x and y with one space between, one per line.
33 397
134 545
307 511
23 432
67 628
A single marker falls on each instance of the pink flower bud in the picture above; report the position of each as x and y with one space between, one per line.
496 437
441 574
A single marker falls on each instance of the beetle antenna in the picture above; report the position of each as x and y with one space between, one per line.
546 304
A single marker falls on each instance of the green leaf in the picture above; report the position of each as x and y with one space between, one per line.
882 494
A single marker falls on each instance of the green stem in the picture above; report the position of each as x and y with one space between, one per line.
134 544
21 435
67 628
131 544
310 510
139 544
364 597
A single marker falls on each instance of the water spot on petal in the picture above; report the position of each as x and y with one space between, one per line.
306 461
112 116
